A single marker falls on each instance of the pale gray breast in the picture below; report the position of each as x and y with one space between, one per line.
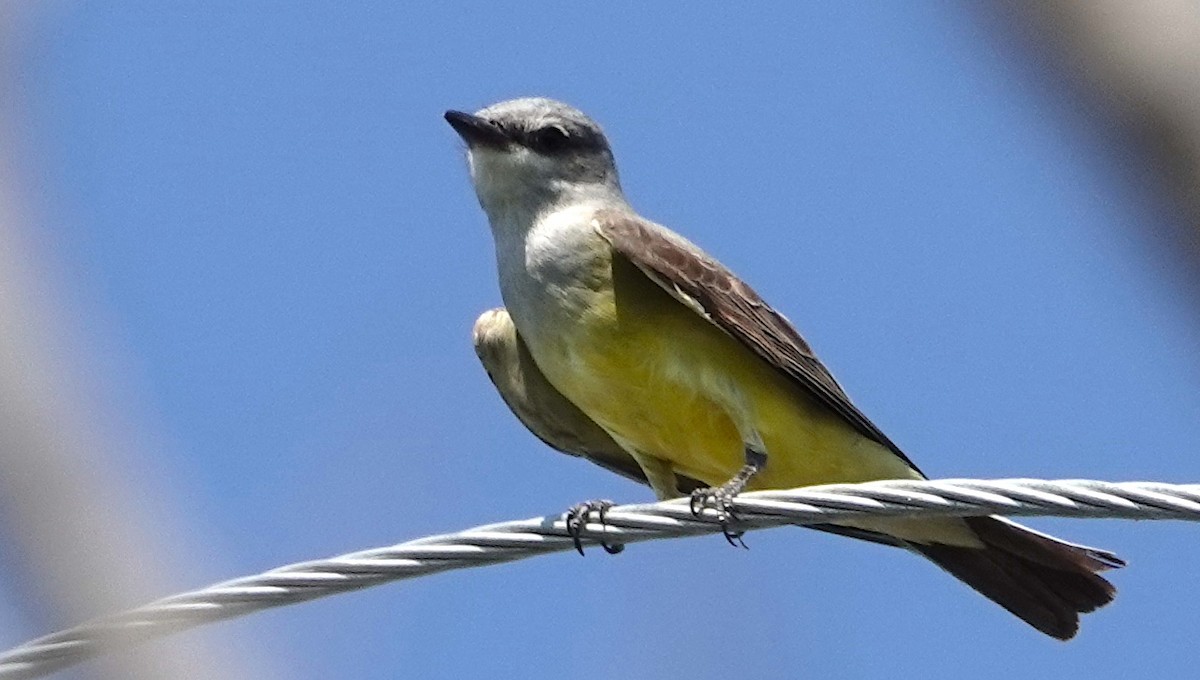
553 272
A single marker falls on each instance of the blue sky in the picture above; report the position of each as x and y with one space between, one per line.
272 229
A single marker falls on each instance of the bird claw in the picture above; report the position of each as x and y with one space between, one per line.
719 498
576 518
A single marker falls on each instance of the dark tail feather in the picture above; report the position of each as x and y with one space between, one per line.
1046 582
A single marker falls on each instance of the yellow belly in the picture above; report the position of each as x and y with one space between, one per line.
661 377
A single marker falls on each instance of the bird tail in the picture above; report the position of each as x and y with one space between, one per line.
1043 580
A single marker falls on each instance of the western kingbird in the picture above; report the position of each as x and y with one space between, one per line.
622 327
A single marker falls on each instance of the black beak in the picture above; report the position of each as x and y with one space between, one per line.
477 131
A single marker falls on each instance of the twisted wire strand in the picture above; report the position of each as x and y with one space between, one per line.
521 539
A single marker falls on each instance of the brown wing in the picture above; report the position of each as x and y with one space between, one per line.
544 410
713 291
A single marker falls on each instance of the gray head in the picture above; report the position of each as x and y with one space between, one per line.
533 152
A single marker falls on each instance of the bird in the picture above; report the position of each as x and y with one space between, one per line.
622 342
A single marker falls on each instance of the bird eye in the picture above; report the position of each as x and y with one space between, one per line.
550 139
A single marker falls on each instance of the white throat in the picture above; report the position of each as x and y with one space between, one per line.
517 189
546 244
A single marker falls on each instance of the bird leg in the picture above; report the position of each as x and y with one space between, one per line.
720 498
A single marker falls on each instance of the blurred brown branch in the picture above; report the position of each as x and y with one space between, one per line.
1137 65
77 539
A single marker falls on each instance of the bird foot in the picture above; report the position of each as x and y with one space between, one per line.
720 498
577 517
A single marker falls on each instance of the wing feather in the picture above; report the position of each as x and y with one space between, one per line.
717 294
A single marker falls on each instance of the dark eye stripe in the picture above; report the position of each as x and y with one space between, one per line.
553 139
